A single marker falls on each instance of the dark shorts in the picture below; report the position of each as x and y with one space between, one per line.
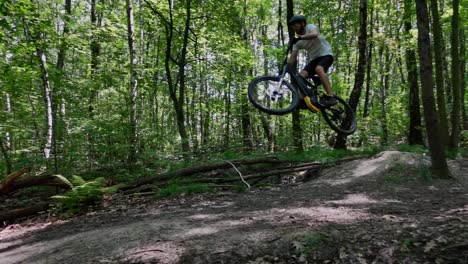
324 61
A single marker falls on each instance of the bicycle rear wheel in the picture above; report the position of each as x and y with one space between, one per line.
340 117
272 95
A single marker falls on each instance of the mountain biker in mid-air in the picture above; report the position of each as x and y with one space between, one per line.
319 52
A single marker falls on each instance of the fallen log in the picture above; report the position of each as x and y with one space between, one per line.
312 169
201 169
24 211
280 172
7 183
277 171
44 179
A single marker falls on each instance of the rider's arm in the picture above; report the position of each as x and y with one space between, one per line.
312 34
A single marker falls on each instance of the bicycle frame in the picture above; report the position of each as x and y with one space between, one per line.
304 86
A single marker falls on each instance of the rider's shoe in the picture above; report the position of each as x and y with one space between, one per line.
328 100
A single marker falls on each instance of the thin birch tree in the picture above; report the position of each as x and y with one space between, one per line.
133 82
37 37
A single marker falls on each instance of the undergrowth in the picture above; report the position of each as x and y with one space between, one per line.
82 195
175 188
404 173
124 174
92 189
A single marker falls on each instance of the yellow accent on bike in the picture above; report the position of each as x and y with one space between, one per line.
311 106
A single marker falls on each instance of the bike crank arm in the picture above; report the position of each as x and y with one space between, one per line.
310 105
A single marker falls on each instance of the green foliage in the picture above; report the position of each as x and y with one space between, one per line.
310 243
240 188
82 195
219 67
174 188
121 173
230 154
404 173
464 143
406 244
413 149
325 155
418 149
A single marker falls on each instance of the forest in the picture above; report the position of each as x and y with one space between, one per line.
127 134
103 83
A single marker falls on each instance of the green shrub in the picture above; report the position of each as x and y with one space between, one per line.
82 195
404 173
309 243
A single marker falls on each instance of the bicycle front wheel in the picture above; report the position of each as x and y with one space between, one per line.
273 95
340 117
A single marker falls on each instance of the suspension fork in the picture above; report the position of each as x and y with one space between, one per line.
283 73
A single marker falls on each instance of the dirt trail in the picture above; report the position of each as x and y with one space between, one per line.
365 211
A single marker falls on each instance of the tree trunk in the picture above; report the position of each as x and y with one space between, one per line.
181 77
369 64
5 143
280 28
63 44
298 141
415 136
44 179
340 142
24 211
456 87
59 100
267 119
439 51
48 102
133 83
462 75
439 163
206 114
227 107
384 70
177 89
47 92
247 137
246 120
6 156
95 47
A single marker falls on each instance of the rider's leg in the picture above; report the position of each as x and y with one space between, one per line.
321 69
302 104
324 79
305 75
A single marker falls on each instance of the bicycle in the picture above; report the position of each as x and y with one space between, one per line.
276 95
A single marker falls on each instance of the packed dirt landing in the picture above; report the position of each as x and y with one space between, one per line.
379 210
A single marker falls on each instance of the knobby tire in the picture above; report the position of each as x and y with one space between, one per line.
340 117
260 99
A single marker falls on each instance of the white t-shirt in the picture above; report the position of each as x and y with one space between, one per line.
316 47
